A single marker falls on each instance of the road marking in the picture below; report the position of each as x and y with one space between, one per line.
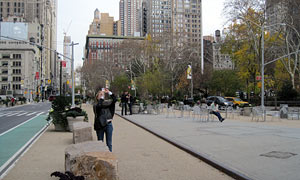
31 113
8 165
22 114
12 114
20 124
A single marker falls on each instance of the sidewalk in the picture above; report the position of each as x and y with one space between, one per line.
141 156
258 150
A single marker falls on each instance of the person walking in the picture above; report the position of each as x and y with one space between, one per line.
104 111
124 102
215 110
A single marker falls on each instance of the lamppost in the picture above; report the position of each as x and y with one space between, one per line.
263 65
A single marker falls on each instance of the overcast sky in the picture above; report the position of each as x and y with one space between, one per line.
75 16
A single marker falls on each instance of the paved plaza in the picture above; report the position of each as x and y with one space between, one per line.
257 150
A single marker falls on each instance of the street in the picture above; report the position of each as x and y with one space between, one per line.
13 116
20 126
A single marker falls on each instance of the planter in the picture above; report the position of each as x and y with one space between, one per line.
59 127
72 120
135 109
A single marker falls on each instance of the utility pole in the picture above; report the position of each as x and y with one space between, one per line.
73 78
60 78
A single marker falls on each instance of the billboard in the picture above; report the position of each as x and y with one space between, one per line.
15 30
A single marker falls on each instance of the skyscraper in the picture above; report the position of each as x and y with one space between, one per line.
178 17
102 24
130 17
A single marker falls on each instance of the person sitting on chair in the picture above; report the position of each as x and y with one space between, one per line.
215 110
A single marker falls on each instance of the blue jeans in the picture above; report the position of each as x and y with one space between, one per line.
218 115
108 130
124 107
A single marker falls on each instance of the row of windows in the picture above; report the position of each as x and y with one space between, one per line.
8 56
15 79
15 64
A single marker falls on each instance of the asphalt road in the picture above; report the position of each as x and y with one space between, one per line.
14 116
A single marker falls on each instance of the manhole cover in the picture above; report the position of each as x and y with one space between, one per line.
279 155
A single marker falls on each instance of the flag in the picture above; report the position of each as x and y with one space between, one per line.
189 72
63 63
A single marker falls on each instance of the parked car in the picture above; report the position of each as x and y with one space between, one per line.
189 101
237 102
51 98
222 102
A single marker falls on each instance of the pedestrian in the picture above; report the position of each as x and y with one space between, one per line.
214 107
130 103
12 101
104 111
124 102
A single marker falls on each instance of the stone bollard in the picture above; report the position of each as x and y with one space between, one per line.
82 131
92 160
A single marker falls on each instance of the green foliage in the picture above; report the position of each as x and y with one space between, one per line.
287 92
152 83
74 112
61 103
226 82
57 113
120 83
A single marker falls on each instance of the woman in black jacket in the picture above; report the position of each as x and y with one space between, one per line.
104 112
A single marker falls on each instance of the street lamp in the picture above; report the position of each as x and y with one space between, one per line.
263 65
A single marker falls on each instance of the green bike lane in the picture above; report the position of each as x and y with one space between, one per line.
15 142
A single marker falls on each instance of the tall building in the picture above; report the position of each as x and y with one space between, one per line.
130 17
181 18
103 24
43 13
220 61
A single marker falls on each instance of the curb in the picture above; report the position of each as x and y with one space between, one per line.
221 167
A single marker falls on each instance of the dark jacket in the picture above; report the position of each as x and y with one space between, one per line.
124 98
97 110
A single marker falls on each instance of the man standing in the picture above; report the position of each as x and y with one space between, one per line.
124 102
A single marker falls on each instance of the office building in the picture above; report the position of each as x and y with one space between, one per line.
130 17
43 13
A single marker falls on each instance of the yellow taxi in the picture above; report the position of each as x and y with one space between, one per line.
237 102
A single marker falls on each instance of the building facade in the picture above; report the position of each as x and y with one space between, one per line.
130 17
220 61
20 63
104 25
43 13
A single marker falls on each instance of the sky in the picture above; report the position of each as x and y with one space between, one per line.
75 16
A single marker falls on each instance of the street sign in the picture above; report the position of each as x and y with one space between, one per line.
68 82
259 84
258 78
49 81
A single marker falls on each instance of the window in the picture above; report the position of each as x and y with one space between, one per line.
17 56
6 56
4 63
16 86
4 86
17 79
17 64
16 71
4 79
4 71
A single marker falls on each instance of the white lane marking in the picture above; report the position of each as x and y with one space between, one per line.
21 114
13 114
31 113
19 124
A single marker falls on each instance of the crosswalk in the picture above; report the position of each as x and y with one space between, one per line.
20 113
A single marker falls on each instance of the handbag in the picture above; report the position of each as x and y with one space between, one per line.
104 116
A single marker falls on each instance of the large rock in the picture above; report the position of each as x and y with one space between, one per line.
92 160
82 131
